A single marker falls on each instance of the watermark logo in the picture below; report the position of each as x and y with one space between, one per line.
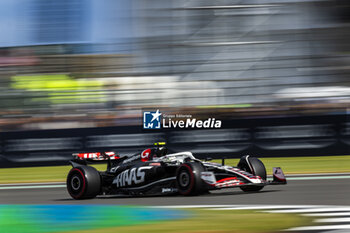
158 120
151 120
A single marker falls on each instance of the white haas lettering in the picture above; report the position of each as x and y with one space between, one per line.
130 176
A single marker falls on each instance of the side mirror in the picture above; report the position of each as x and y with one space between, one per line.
208 159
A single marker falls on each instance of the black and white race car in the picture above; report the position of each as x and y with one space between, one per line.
154 172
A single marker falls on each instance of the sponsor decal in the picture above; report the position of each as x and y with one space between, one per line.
96 155
131 176
145 155
114 169
157 120
169 190
208 177
154 164
132 159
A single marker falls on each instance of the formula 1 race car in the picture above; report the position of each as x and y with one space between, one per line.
154 172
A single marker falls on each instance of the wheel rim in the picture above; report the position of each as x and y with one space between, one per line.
75 183
184 179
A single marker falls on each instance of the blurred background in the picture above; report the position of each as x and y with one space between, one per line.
97 63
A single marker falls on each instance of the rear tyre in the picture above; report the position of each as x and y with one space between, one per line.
188 179
83 182
257 168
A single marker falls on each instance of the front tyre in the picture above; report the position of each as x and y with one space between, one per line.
83 182
255 167
188 179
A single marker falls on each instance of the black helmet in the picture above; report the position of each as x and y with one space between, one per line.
161 149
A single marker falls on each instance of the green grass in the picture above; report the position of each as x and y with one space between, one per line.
213 221
37 174
290 165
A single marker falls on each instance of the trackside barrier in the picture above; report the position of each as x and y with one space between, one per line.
265 137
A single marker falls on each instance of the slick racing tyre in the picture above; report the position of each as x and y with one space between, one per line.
256 168
188 179
83 182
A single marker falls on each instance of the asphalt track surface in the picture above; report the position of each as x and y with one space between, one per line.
296 192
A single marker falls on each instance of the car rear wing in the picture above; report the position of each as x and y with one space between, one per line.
96 156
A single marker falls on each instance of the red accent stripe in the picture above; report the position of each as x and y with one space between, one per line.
97 155
227 179
279 178
84 183
192 179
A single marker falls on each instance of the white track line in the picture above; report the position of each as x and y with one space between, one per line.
241 207
318 178
318 174
312 210
267 207
303 210
20 184
232 6
320 228
191 206
333 220
328 214
32 187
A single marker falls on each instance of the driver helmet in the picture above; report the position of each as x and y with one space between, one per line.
161 151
